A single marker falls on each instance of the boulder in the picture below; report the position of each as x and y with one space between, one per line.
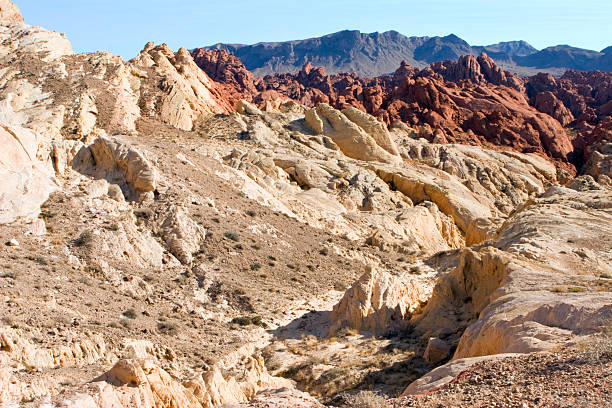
245 108
436 351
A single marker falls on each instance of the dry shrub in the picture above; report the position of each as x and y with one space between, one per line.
365 399
599 345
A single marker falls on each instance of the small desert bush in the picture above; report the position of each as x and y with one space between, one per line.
167 328
599 345
247 320
232 236
364 399
130 313
85 238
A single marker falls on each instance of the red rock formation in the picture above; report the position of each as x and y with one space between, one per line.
587 95
227 70
469 101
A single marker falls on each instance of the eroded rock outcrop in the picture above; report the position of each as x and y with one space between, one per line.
503 292
20 352
183 236
353 140
377 303
120 164
25 183
186 91
143 381
9 12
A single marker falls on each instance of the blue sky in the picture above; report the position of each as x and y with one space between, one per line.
123 27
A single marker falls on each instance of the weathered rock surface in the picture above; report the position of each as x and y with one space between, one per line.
444 374
503 293
183 236
351 138
141 381
218 219
9 12
377 303
174 88
120 164
20 352
25 183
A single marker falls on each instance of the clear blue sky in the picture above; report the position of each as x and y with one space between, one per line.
124 26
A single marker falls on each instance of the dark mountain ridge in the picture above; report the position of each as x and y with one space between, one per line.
377 53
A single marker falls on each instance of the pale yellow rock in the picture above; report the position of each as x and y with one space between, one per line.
15 347
13 391
451 197
354 141
49 45
211 389
140 383
183 236
25 183
246 108
282 398
373 127
121 164
9 12
532 292
376 303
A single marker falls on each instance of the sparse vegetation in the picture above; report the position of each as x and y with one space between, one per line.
126 323
130 313
339 286
364 399
167 328
39 260
232 236
576 290
599 345
248 320
85 239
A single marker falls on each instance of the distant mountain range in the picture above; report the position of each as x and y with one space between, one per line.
381 53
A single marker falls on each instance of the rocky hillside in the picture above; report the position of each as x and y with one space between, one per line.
376 54
167 243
